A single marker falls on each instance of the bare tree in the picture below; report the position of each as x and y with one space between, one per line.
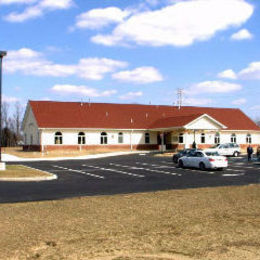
257 120
5 115
17 120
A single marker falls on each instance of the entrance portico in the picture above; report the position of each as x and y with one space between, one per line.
200 131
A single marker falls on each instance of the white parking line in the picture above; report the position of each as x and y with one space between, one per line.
232 175
78 171
114 170
243 167
233 170
145 169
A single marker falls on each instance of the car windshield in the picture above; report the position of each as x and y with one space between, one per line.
212 154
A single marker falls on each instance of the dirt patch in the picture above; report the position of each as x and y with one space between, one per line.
208 223
18 151
20 171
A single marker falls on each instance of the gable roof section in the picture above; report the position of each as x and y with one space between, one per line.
51 114
190 125
174 121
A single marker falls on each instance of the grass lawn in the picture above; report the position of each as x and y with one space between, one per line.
19 171
208 223
18 151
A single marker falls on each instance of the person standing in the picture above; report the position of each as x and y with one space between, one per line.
249 153
258 152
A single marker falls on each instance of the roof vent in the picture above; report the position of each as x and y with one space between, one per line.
106 113
132 121
146 115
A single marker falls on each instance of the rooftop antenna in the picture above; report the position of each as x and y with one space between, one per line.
179 97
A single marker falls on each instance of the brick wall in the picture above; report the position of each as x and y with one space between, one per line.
90 147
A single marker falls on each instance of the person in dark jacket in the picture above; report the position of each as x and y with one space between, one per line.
258 152
250 151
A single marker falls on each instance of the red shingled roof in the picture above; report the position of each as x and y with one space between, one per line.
50 114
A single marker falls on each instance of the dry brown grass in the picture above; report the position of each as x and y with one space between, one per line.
18 151
20 171
209 223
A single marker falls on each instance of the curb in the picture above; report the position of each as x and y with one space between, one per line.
43 178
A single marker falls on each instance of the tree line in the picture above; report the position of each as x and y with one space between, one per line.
11 124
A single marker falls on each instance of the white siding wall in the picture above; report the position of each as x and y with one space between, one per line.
225 137
70 137
31 130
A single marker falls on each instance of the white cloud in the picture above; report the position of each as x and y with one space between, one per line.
227 74
197 101
96 68
30 62
8 2
179 24
9 99
252 72
98 18
38 10
243 34
239 101
82 91
141 75
212 87
256 107
131 95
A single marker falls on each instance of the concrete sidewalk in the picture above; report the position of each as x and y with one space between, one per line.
12 158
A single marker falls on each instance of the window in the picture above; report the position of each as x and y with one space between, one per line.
217 138
199 154
81 138
103 138
120 138
202 138
180 138
233 138
248 139
58 138
147 138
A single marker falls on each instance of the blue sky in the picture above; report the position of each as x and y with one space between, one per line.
133 51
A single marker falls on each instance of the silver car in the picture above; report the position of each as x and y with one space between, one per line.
228 149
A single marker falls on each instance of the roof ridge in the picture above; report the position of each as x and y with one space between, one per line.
130 104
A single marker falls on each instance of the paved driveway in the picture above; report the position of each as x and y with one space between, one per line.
123 174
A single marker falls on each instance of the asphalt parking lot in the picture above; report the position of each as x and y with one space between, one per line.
123 174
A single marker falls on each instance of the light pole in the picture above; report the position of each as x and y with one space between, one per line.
2 54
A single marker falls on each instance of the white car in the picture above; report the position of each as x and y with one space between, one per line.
229 149
203 160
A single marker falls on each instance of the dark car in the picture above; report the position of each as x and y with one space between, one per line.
178 155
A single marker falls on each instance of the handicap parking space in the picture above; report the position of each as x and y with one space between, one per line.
125 174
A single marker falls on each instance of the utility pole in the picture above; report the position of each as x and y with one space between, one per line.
2 54
179 97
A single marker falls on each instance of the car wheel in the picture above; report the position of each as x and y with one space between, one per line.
235 154
180 164
202 166
220 169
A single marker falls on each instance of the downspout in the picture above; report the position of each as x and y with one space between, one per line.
131 141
